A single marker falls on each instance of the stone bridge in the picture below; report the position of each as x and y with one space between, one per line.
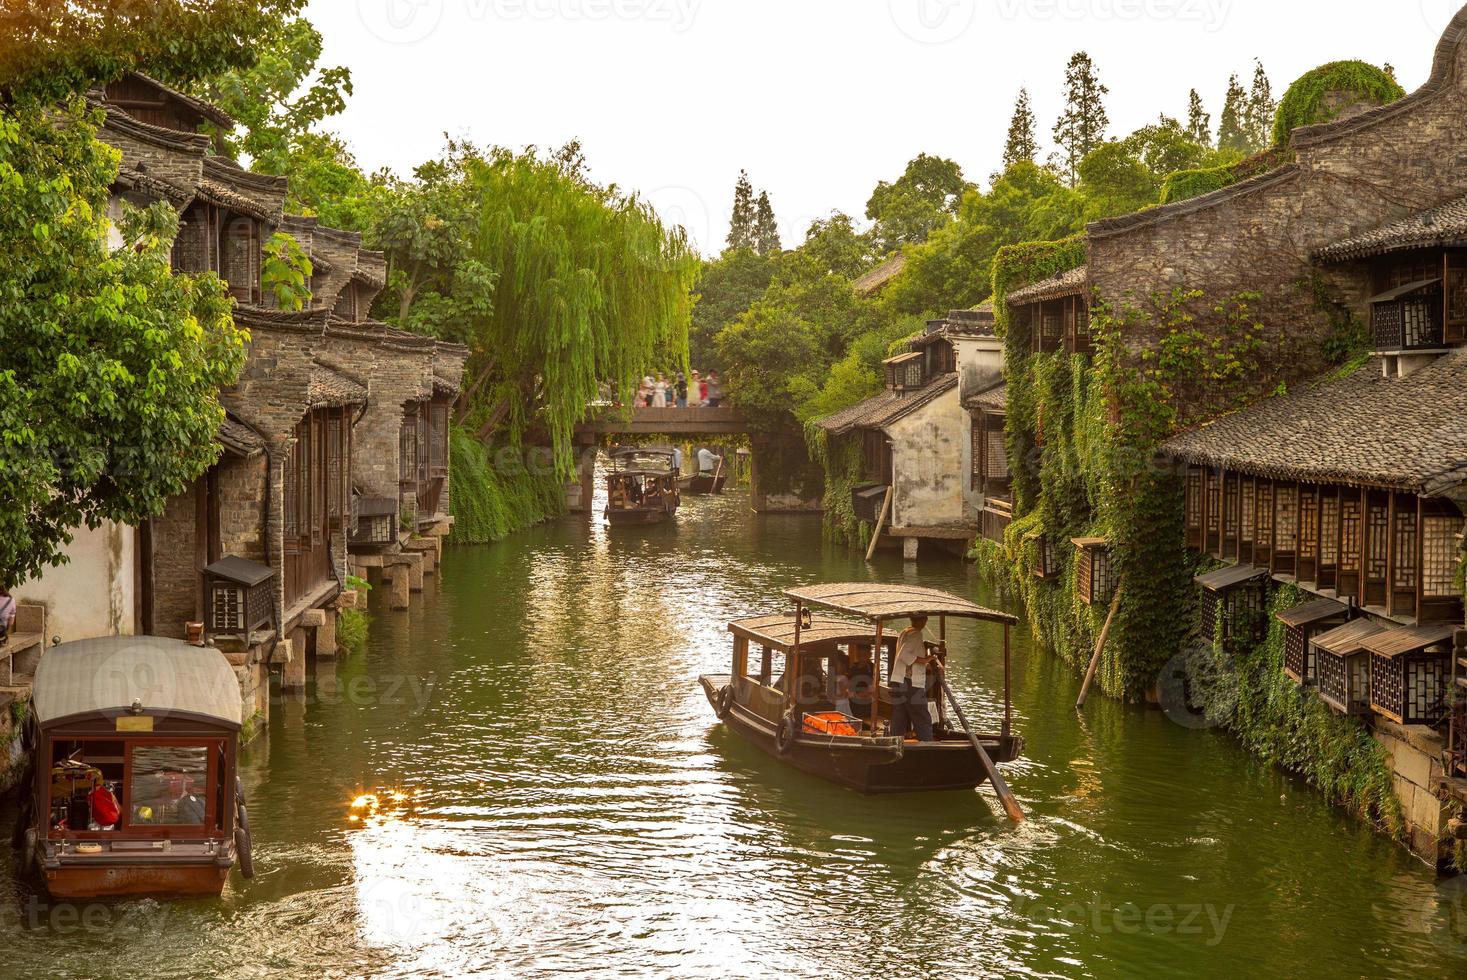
774 453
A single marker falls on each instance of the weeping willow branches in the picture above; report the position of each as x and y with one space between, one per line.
588 289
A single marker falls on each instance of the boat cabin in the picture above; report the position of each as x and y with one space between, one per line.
135 791
642 486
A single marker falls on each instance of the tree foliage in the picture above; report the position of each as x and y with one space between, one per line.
1258 118
766 227
1232 130
1082 126
922 199
1199 120
56 48
588 287
741 233
110 362
280 102
286 272
1022 144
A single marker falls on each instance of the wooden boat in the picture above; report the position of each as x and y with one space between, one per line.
703 485
642 487
134 790
861 754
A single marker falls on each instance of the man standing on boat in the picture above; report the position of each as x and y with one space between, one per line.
909 683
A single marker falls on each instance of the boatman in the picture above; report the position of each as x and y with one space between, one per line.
909 683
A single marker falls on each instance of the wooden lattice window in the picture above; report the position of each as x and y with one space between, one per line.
1350 521
407 448
1308 523
1286 510
1247 525
1377 541
1299 656
1456 330
979 442
998 453
1211 608
290 515
1195 491
1439 556
1404 576
240 259
1329 530
1265 513
1214 512
438 438
1232 508
912 377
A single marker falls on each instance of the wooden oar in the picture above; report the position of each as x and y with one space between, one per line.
1005 795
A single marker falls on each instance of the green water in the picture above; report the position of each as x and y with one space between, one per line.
570 807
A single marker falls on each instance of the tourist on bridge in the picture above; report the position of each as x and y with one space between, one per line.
909 683
659 392
682 390
695 398
715 390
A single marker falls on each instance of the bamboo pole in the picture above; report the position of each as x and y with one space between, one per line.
880 523
1115 607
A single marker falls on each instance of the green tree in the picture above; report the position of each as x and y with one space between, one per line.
1261 109
1232 130
1083 124
286 273
766 227
1022 145
111 363
589 287
280 102
832 247
1165 148
727 287
741 233
924 198
1114 181
56 48
1199 120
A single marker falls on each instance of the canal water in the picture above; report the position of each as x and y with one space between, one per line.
521 778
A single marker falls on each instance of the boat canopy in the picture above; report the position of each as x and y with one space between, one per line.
778 632
880 603
110 675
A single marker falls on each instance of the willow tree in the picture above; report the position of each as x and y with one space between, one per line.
590 289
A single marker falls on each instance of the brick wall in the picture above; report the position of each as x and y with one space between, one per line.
1259 236
176 582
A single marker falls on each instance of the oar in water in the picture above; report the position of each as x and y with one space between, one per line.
1005 795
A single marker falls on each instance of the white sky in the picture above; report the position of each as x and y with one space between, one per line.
817 99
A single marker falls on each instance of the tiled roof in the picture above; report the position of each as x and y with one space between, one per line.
995 400
977 322
886 408
240 439
1435 228
1071 283
873 281
220 195
1365 430
330 389
208 110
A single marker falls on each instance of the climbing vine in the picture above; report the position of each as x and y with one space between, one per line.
1242 687
1322 94
843 464
496 494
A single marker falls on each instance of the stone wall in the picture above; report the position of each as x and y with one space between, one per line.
931 459
177 589
162 154
1259 236
1416 771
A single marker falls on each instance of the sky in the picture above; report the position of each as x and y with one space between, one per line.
817 99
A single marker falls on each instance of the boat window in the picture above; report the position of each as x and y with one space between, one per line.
79 769
170 785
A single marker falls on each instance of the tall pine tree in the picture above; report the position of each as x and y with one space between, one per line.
1081 128
741 225
766 228
1258 119
1199 121
1023 144
1232 132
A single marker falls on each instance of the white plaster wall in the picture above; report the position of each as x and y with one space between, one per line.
95 593
980 367
932 456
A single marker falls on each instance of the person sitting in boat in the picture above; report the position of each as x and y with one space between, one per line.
855 678
909 710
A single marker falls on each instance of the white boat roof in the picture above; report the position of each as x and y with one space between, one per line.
107 675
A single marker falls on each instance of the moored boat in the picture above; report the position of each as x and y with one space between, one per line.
134 790
794 716
642 486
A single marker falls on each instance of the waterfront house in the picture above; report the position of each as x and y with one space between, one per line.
915 438
1054 313
327 409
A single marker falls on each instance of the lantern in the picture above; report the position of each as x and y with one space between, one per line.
1301 625
1095 580
241 596
1343 664
376 523
1233 600
1411 674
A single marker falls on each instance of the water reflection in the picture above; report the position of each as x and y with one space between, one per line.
539 788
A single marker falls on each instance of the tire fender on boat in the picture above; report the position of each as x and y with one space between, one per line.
784 739
725 702
244 844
